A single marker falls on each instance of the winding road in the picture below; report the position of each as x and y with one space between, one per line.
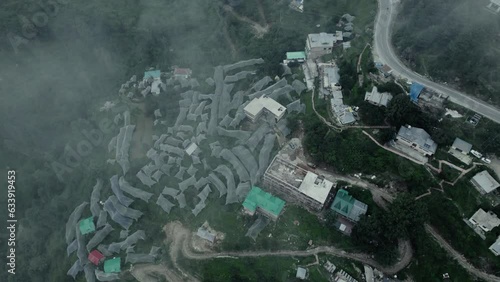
384 50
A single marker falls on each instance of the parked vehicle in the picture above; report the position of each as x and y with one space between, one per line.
485 160
476 154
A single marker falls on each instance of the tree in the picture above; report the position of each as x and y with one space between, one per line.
401 111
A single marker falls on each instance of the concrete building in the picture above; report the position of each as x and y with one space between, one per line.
296 184
182 73
348 207
155 85
257 106
378 99
206 234
484 182
319 44
494 6
485 220
331 77
301 273
260 201
461 146
343 113
295 57
417 139
495 247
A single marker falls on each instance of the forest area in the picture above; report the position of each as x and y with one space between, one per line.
452 41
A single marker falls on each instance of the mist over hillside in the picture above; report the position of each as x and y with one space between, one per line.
456 41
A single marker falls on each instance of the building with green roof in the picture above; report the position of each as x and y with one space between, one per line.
258 200
87 225
297 57
112 265
155 74
345 205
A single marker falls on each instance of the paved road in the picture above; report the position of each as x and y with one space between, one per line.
383 49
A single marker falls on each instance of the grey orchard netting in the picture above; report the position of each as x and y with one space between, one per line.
242 64
95 209
181 199
180 174
123 234
89 270
237 165
203 195
248 160
230 184
186 183
265 152
73 219
123 221
123 210
197 209
134 192
170 191
238 76
237 100
75 269
115 187
81 253
71 247
173 142
201 182
146 180
238 134
257 136
165 204
102 219
112 144
261 83
98 237
285 91
217 183
298 86
192 170
281 83
104 250
257 227
122 146
242 190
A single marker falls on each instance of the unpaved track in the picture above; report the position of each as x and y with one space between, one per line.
179 238
259 29
459 257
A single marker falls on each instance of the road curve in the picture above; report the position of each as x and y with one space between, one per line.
384 50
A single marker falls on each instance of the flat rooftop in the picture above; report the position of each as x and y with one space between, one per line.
306 182
485 181
315 187
264 102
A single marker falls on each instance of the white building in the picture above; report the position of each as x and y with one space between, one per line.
378 99
495 247
319 44
485 220
494 6
257 106
484 182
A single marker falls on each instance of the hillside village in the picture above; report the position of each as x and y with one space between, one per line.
231 141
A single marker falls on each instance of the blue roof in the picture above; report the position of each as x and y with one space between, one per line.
415 90
153 74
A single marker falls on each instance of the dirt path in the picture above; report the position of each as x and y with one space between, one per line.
150 272
392 150
179 239
459 257
259 29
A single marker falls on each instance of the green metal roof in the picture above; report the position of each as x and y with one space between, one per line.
153 74
257 198
295 55
112 265
343 202
87 225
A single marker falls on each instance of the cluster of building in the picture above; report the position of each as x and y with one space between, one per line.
417 139
293 181
494 6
